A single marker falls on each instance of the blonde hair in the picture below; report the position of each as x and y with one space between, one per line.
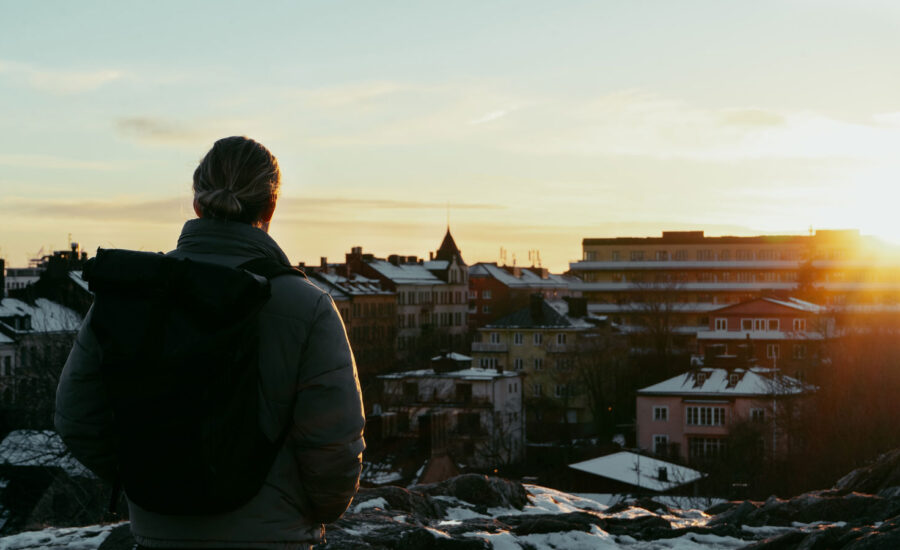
237 180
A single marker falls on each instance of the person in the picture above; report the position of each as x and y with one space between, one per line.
316 472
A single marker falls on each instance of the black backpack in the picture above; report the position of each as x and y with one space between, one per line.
179 342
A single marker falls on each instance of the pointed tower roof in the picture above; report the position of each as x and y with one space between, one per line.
448 249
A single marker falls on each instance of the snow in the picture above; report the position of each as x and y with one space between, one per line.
452 355
637 470
405 273
4 339
754 382
378 502
39 448
474 373
743 335
76 278
46 316
527 278
74 538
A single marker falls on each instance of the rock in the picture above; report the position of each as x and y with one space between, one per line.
645 502
641 527
533 524
735 516
402 500
481 490
787 541
883 473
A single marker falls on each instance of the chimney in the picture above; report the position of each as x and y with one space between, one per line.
323 263
431 256
394 259
537 308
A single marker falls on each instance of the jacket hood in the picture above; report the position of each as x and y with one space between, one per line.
227 238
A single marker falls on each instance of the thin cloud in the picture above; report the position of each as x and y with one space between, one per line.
156 129
384 204
752 118
53 162
58 81
132 210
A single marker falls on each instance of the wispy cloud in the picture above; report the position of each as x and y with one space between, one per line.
382 204
54 162
58 81
125 209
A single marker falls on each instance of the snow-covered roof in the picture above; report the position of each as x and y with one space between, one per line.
526 279
798 304
76 278
4 339
554 314
453 356
711 382
759 335
355 285
46 316
463 374
405 273
436 265
640 471
39 448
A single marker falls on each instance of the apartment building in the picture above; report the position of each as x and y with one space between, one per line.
432 296
785 334
478 412
498 290
691 274
543 342
690 415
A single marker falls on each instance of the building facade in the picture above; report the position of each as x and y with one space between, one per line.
690 416
479 412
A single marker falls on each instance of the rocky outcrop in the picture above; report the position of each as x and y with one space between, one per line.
881 477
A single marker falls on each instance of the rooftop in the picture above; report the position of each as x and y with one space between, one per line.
640 471
464 374
712 382
46 316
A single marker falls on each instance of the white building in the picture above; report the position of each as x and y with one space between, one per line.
479 412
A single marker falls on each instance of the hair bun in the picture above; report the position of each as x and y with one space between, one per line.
220 201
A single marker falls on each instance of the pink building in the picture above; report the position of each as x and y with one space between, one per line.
689 416
786 334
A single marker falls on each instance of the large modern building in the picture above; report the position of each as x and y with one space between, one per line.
687 275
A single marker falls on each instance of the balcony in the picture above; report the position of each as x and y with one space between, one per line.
486 347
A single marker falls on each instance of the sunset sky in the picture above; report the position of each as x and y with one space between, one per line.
535 123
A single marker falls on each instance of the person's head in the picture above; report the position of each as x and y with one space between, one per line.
237 180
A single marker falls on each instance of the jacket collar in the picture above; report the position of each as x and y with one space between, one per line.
209 236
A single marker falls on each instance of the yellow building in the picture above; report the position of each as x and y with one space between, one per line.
542 342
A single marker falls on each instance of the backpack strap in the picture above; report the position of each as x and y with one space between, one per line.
270 268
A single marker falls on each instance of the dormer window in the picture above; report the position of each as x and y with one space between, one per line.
733 379
700 378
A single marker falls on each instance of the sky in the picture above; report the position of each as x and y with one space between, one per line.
529 125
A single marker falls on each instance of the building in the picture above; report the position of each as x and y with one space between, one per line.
35 340
475 415
690 416
496 291
544 341
688 275
369 313
629 473
785 334
20 277
432 297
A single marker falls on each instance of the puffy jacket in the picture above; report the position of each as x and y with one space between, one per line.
303 351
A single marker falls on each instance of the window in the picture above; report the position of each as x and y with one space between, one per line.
706 416
680 255
486 294
488 362
536 390
700 378
660 444
772 351
721 324
538 363
495 337
485 309
758 415
799 325
733 379
518 338
759 324
560 390
798 351
706 447
615 256
538 338
744 255
661 414
746 324
473 294
774 324
637 255
724 255
513 387
705 255
518 363
662 255
561 338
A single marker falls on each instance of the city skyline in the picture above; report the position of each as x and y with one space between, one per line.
537 125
